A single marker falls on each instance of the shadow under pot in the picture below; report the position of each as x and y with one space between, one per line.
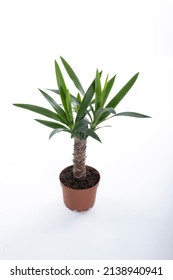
79 195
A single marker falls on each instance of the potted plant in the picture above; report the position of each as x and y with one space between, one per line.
81 116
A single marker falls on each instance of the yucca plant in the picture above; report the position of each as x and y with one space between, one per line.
80 115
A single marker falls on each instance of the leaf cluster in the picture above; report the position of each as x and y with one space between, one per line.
81 114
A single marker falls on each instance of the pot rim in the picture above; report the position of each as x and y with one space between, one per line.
95 186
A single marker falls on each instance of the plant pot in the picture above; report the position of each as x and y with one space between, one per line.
79 199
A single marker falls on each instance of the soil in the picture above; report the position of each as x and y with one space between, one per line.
92 178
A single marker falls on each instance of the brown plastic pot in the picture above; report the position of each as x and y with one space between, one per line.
79 199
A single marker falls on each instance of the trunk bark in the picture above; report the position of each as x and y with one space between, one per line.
79 156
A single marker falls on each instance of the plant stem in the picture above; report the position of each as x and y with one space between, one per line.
79 156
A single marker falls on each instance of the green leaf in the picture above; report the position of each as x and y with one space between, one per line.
103 126
106 81
79 97
101 111
50 124
73 76
62 88
132 114
81 123
89 132
64 93
76 105
57 108
57 130
98 92
85 102
54 90
74 100
107 89
60 79
120 95
92 89
69 107
39 110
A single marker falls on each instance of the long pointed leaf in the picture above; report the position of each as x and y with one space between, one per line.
132 114
53 90
85 103
56 107
98 92
120 95
76 106
59 76
101 111
57 130
73 76
103 126
107 89
89 132
50 124
69 107
72 97
39 110
79 97
62 88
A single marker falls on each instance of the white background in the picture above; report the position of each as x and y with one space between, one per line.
133 214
